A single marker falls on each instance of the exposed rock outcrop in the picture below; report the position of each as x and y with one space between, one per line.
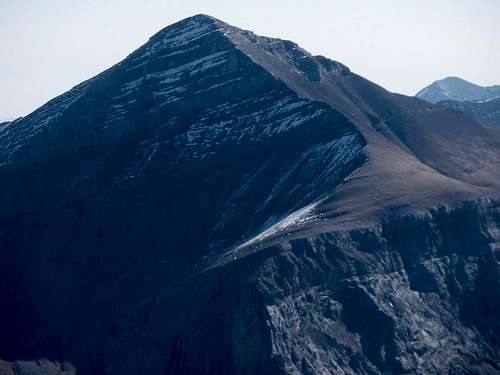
417 294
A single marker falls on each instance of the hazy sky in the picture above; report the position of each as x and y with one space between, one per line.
48 46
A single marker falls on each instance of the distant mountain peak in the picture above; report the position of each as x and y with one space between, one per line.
457 89
452 78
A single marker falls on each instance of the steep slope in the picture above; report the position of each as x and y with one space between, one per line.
457 89
221 202
485 112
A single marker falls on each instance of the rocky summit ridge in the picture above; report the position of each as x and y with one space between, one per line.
223 202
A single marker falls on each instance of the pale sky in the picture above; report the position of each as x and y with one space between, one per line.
49 46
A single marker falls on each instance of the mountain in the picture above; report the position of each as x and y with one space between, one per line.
457 89
477 102
483 111
225 203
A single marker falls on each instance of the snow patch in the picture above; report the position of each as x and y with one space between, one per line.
297 218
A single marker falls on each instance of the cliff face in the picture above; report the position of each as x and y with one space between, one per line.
41 366
416 294
220 202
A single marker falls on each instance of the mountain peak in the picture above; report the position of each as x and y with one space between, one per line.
203 16
457 89
200 18
241 191
192 26
265 51
452 79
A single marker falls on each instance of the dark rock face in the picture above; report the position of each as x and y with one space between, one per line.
42 366
418 294
457 89
221 202
485 112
